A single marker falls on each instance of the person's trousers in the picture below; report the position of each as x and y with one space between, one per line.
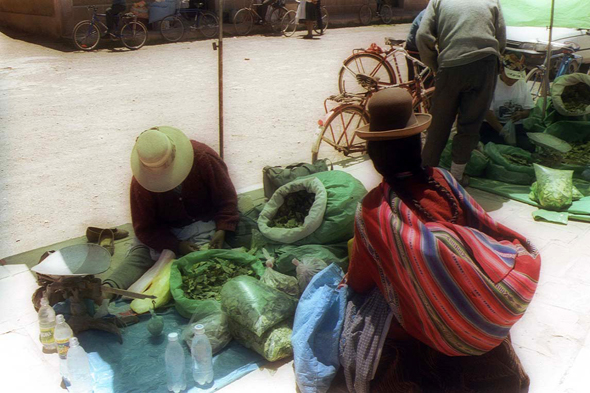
488 134
135 264
463 92
111 13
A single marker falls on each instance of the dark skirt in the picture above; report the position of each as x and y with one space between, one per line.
412 367
311 12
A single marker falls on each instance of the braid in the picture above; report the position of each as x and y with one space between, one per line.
401 191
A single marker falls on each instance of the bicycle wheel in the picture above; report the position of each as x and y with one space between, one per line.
172 28
325 21
423 103
365 63
133 35
208 24
86 35
276 17
243 21
337 140
535 80
365 15
289 24
386 14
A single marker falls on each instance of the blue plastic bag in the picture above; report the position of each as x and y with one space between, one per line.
316 330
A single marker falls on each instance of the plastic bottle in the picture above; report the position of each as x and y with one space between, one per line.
47 325
62 335
78 368
202 357
175 364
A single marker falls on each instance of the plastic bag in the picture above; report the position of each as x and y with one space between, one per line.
216 329
306 269
273 345
186 306
576 194
254 305
279 281
508 132
554 187
316 330
146 279
159 287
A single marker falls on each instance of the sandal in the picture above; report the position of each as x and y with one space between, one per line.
107 240
93 233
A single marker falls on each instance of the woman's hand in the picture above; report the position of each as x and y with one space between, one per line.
186 247
217 240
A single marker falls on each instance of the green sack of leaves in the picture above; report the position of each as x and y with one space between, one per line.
216 330
576 194
273 345
509 164
554 187
254 305
475 167
282 282
210 270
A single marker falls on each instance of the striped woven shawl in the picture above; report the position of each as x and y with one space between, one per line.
456 288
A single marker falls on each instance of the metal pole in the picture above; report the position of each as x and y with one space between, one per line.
220 76
547 69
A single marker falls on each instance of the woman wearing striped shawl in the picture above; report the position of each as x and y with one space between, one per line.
454 279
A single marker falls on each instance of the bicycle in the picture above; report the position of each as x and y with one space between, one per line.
336 128
568 63
377 64
290 23
244 18
384 11
172 27
87 33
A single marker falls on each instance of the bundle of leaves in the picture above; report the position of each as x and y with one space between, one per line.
579 154
292 213
576 97
516 159
204 279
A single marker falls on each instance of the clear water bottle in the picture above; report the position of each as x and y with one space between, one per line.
175 364
78 368
47 326
62 335
202 357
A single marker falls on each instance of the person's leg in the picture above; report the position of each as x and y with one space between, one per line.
135 264
443 111
522 140
263 8
480 78
111 15
488 134
318 16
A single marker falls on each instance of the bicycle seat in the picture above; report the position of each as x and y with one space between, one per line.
394 42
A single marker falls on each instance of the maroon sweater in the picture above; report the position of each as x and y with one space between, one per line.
207 194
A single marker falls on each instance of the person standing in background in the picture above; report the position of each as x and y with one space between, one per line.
111 13
462 42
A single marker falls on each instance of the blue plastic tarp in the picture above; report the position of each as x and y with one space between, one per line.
160 10
138 364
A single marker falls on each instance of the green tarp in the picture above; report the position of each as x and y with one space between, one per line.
568 13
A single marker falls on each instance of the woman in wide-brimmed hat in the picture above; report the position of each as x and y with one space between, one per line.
181 197
454 279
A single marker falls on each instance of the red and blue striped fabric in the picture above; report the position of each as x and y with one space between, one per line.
456 288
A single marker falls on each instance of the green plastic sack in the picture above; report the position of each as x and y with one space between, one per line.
558 88
189 307
475 167
554 187
333 253
501 169
498 172
344 192
254 305
273 345
576 194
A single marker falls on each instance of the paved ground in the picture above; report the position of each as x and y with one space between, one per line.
69 119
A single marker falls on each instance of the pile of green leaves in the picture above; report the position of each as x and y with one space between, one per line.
576 97
273 345
579 154
204 279
292 213
516 159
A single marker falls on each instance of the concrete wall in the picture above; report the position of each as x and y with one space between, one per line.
57 18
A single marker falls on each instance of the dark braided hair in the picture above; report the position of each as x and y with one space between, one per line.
392 157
